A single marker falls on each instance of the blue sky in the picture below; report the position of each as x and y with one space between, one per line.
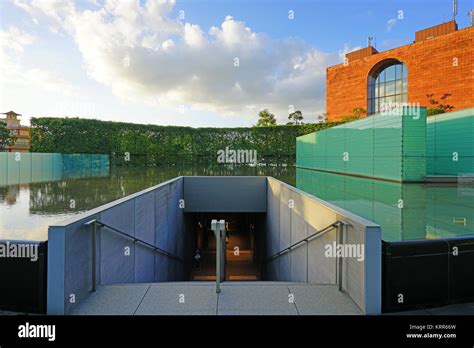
160 62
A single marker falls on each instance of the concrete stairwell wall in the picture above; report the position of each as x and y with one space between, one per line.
152 215
292 215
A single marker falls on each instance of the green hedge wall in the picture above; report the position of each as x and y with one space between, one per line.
164 145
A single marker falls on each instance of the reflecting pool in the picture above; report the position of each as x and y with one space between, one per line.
29 204
405 211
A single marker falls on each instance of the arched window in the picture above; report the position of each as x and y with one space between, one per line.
387 84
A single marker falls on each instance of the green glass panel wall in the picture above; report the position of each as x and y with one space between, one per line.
3 168
391 146
25 167
450 143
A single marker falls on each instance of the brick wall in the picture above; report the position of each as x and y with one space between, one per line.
431 69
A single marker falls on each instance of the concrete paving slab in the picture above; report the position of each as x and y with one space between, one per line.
255 300
200 298
113 300
181 299
322 300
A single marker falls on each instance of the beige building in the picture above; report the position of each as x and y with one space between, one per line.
22 133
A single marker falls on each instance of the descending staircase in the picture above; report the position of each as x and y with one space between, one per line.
241 267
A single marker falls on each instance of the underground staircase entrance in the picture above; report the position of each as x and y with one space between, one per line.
242 246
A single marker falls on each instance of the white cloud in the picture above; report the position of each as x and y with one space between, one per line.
53 12
391 23
347 49
181 64
12 46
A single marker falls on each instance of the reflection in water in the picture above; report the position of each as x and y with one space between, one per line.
26 210
55 197
25 168
405 211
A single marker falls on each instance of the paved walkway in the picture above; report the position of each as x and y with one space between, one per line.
200 298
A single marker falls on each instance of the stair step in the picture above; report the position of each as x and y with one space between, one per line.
204 277
250 277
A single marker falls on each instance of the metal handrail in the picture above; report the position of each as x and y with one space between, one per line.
135 240
305 240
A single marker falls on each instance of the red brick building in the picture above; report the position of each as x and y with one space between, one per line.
439 61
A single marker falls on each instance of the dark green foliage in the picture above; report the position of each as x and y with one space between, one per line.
164 145
295 118
6 138
266 118
439 107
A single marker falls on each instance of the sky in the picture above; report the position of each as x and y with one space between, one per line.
198 63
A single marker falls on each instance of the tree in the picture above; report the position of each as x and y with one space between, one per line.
6 138
439 107
321 118
295 118
356 114
266 119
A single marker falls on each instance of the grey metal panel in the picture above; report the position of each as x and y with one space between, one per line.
144 264
78 262
285 267
299 264
373 270
145 217
321 269
273 217
299 228
225 194
161 268
275 264
161 217
56 263
115 266
175 215
285 217
299 231
121 217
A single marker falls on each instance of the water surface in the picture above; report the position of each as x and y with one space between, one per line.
28 208
405 211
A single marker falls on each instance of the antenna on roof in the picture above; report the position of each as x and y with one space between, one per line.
455 9
369 41
471 13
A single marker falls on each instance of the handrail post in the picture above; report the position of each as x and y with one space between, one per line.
93 224
94 255
219 232
223 250
341 231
